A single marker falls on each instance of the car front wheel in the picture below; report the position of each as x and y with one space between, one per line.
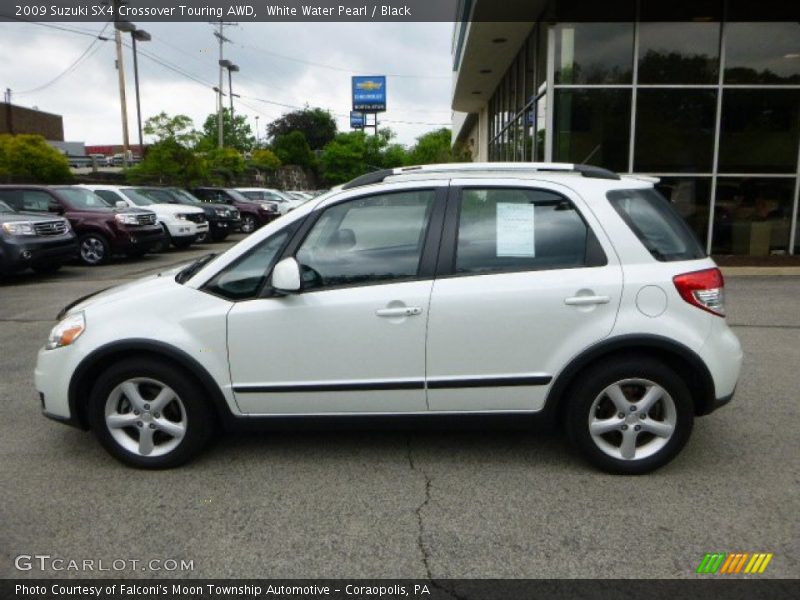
630 416
149 414
248 224
94 249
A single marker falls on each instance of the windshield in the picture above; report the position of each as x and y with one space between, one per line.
138 198
183 196
5 208
157 195
237 196
80 198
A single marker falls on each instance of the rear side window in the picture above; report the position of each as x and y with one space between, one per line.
657 225
503 230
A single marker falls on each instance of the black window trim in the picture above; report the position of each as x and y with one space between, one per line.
446 267
426 269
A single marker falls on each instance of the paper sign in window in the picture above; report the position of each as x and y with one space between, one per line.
515 235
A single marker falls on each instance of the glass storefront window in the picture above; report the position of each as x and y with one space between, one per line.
674 130
760 131
592 126
691 197
753 216
594 53
679 52
766 53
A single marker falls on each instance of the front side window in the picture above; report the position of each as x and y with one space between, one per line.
375 239
244 278
505 230
657 225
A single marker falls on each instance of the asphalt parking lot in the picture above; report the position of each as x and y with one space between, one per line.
403 504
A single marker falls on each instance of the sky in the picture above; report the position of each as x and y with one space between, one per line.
281 64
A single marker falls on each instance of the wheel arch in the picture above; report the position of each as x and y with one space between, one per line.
681 359
92 365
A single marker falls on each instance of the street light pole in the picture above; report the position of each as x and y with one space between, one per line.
142 36
119 27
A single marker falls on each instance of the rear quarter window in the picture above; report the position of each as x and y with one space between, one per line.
657 224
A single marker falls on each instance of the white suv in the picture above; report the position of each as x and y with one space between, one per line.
183 224
561 292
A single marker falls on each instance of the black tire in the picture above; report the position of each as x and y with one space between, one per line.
202 238
196 414
94 249
675 408
249 224
46 269
219 236
182 243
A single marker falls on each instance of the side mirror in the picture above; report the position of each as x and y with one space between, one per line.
121 204
286 276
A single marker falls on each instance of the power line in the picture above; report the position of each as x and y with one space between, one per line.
85 55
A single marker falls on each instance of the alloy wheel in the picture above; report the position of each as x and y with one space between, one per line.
248 224
92 250
632 419
145 417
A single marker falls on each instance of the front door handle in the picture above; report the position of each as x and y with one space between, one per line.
401 311
587 300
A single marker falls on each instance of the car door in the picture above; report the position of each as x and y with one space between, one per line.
526 280
353 338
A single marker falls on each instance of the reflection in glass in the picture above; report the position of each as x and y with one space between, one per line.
594 52
752 216
760 131
674 130
592 127
691 197
762 53
679 52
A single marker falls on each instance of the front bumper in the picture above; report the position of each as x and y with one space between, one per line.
136 238
18 254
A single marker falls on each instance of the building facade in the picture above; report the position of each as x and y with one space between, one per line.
20 120
704 95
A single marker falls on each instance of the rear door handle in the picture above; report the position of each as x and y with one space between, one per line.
402 311
586 300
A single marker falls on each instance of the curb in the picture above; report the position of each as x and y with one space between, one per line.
760 271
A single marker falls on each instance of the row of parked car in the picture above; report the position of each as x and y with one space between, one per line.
44 227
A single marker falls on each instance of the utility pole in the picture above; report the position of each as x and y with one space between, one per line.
220 35
121 77
7 97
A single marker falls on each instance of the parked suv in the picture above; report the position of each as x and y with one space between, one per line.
561 293
222 219
102 230
254 213
33 241
182 225
284 201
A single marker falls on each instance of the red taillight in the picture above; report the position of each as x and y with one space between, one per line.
703 289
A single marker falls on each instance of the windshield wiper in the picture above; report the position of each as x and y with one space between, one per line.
194 267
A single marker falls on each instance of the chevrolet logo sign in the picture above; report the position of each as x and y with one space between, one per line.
369 85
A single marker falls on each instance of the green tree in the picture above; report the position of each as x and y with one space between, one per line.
179 128
225 163
293 149
316 124
236 132
435 147
354 153
31 159
265 159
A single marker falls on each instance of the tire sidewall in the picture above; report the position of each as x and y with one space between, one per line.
198 428
582 397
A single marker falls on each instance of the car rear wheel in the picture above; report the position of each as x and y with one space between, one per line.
630 416
248 224
94 249
149 414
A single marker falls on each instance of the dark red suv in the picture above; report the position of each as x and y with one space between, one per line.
102 230
254 213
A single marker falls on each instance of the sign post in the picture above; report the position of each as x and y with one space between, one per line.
369 97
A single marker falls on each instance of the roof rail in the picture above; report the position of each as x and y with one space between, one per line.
381 175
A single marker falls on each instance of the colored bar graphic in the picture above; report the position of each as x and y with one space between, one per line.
732 563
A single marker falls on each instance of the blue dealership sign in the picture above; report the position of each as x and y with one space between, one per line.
369 93
357 120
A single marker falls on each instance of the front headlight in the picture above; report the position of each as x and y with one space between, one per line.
67 331
221 212
181 216
268 207
126 219
19 228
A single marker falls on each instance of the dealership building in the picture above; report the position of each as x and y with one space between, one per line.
703 94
